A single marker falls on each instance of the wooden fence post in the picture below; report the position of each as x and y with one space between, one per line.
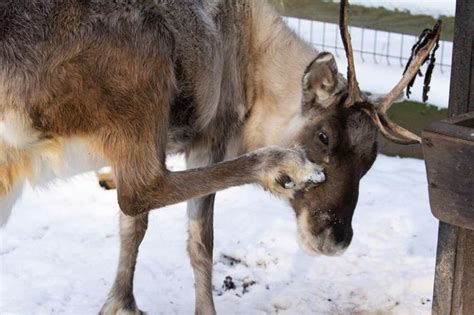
454 279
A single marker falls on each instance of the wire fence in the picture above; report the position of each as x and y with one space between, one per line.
369 45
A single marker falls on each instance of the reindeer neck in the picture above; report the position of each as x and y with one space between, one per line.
279 61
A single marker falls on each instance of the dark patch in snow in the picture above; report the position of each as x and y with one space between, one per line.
246 284
241 285
230 261
228 284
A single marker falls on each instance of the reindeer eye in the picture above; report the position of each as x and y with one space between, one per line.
323 138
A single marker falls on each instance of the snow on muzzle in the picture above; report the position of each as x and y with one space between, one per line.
324 216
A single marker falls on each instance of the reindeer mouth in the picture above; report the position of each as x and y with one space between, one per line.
316 245
320 245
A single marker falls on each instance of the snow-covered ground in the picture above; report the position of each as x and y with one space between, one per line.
379 74
434 8
59 252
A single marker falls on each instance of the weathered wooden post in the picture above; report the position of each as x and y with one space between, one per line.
449 154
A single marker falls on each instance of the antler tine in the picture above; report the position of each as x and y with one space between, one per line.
354 93
408 137
388 128
418 59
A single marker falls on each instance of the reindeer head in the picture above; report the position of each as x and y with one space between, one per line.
340 135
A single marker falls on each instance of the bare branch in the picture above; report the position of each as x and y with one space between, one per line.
429 73
413 68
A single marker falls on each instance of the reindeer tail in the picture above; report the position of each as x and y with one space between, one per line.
8 201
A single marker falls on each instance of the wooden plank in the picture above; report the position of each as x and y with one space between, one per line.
461 99
463 288
445 268
454 286
454 277
467 288
450 168
471 96
459 126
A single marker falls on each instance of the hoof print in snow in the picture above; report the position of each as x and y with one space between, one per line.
230 261
228 284
216 291
243 284
246 284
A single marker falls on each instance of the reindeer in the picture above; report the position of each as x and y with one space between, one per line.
87 83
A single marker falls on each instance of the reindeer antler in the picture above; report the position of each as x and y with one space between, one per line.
420 54
354 93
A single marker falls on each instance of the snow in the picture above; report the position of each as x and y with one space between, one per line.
379 74
58 253
434 8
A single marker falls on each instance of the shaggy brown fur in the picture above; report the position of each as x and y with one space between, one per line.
85 83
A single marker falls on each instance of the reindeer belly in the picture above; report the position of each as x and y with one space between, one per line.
25 156
63 158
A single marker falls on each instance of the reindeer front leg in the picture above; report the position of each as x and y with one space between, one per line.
121 299
200 249
201 235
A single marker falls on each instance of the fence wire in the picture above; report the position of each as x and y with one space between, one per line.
369 45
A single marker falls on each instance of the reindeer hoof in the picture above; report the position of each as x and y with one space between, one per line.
115 306
317 177
106 179
290 185
107 184
121 311
286 171
286 182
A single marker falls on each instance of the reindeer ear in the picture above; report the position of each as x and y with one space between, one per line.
320 81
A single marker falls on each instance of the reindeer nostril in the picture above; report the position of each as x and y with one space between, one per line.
342 236
339 237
